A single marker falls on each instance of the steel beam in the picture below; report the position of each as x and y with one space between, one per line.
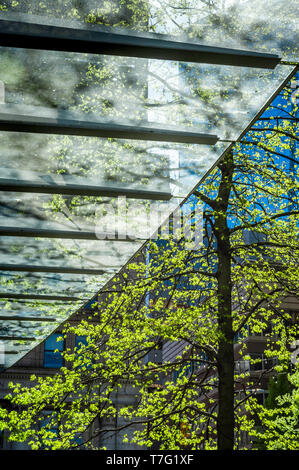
20 318
66 298
80 190
50 269
71 126
64 234
92 39
17 338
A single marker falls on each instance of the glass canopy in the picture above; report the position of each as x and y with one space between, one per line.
109 117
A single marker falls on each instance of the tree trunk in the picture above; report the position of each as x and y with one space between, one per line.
225 423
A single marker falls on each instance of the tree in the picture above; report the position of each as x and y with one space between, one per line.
278 385
111 89
200 299
279 419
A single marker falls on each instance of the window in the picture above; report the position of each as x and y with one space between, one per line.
189 368
241 334
262 362
49 424
259 362
266 332
53 352
81 341
50 427
261 396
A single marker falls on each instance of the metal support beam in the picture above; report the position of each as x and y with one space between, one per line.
80 190
20 318
64 234
50 269
17 338
92 39
66 298
70 126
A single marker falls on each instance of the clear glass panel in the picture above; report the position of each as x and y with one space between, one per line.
270 25
203 98
91 161
100 254
213 99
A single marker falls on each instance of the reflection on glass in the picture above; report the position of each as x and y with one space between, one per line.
270 25
219 100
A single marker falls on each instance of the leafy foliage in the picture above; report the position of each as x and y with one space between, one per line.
198 303
279 420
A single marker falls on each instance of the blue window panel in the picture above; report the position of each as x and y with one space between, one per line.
51 343
52 357
46 423
89 305
53 360
81 341
78 440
